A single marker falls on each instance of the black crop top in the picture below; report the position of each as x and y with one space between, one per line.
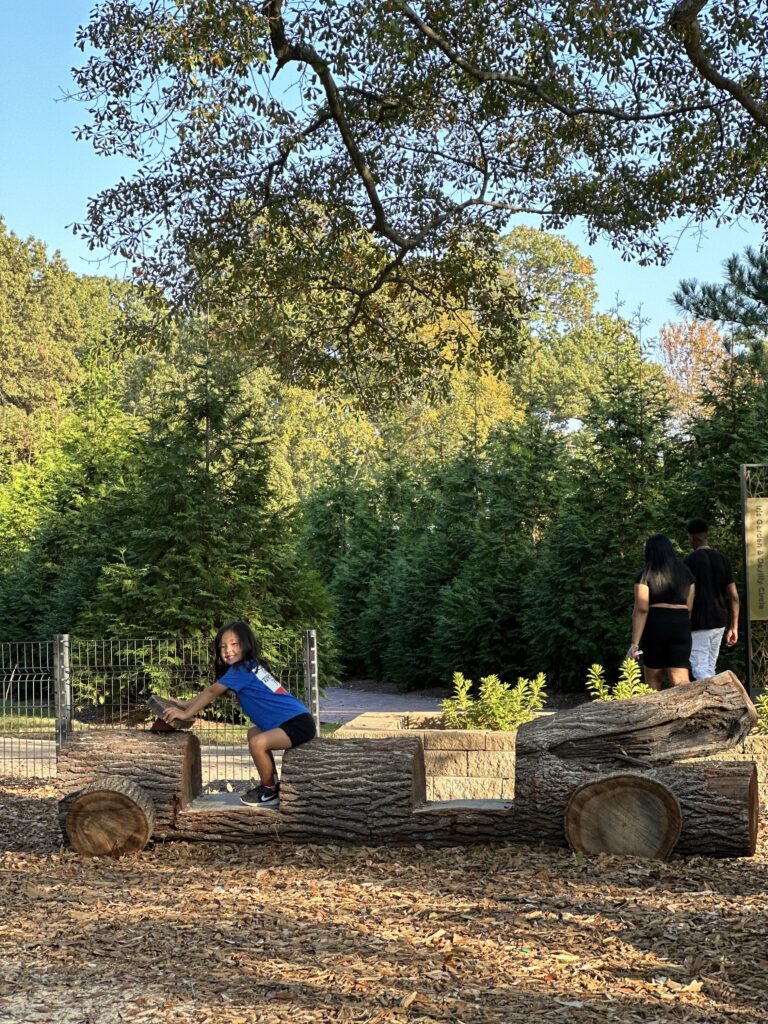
674 593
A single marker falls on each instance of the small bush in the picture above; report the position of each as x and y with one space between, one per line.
497 706
761 704
630 682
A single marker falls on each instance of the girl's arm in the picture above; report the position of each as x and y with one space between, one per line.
202 700
639 617
689 602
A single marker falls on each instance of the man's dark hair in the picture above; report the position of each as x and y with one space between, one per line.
697 525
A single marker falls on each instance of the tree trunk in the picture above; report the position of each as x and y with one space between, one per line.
720 806
686 721
372 791
167 766
623 814
110 817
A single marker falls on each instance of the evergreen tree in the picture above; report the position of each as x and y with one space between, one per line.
435 539
731 433
168 524
214 533
579 594
741 302
479 613
731 429
62 517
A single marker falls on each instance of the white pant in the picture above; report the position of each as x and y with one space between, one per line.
704 651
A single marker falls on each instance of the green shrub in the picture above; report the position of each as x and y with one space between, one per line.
497 706
630 682
761 705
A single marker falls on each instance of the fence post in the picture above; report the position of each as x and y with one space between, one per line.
62 677
311 675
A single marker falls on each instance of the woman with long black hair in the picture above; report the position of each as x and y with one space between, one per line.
661 618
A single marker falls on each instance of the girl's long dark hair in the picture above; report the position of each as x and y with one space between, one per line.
663 570
248 642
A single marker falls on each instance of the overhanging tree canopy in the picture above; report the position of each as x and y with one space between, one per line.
363 149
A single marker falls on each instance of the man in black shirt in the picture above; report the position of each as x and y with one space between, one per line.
716 601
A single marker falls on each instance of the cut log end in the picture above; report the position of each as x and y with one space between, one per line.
110 817
624 814
159 705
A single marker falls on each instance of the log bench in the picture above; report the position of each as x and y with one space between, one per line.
584 776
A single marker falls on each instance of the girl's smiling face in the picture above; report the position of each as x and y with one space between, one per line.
230 649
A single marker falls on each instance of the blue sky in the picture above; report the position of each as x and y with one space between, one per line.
46 176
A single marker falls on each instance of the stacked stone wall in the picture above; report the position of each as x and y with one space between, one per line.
460 764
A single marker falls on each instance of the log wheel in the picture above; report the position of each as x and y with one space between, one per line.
110 817
624 814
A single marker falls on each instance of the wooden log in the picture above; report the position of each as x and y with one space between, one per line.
167 766
720 805
623 814
358 791
158 705
372 792
686 721
718 801
110 817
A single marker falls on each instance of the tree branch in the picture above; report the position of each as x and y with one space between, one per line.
528 84
684 21
301 52
285 52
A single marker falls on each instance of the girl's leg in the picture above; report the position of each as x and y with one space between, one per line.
653 677
261 745
678 676
256 731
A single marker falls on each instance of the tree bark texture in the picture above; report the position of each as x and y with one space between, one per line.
372 792
718 802
628 815
110 817
358 791
167 766
686 721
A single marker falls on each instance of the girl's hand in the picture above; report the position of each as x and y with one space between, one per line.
634 651
171 714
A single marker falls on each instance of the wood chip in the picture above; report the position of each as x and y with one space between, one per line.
210 933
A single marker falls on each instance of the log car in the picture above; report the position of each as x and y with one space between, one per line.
605 776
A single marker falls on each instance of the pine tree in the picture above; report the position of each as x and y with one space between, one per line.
579 594
214 530
741 303
479 621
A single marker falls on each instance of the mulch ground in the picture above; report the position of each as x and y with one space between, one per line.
198 933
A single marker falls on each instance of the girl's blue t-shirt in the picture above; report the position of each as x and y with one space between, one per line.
261 696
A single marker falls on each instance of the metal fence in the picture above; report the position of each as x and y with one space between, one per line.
49 688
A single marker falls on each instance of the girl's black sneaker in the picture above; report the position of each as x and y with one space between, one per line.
262 796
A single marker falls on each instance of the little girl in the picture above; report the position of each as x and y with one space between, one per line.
280 720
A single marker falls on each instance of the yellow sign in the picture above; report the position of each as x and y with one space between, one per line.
756 532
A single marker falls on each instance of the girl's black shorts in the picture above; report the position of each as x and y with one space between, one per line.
666 639
300 729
